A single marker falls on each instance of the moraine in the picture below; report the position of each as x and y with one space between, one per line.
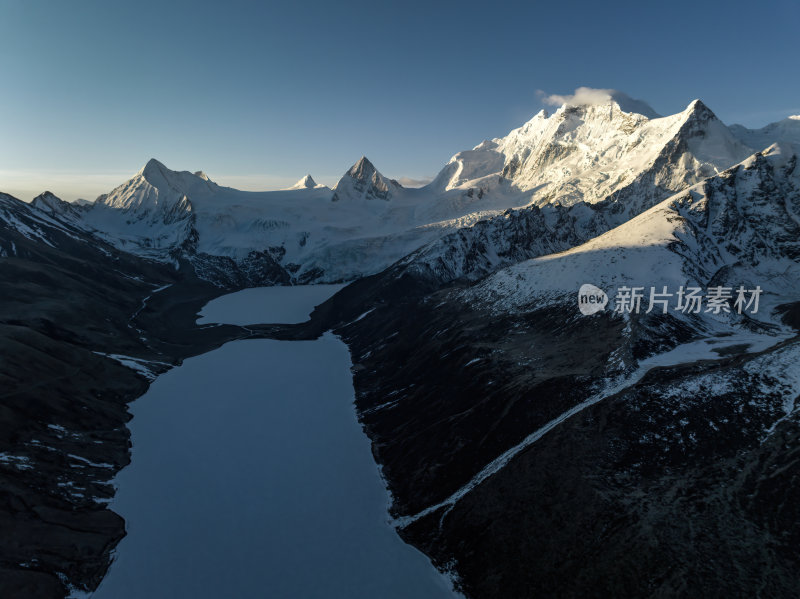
250 476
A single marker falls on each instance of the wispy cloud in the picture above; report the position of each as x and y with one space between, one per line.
583 96
588 96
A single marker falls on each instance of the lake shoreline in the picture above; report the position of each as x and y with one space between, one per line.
344 375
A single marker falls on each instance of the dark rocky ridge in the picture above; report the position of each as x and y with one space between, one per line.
622 499
608 505
63 407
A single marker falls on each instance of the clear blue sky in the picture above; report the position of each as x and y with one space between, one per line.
258 94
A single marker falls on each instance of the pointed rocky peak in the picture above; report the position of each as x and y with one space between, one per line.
364 181
157 188
54 206
154 171
49 202
362 170
697 105
306 182
700 112
47 196
709 139
152 165
158 194
156 174
161 177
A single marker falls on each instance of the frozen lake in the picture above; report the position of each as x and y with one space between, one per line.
252 478
286 305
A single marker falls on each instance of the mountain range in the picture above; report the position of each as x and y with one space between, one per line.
580 156
529 450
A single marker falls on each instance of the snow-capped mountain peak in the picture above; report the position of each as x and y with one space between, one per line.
48 202
697 106
364 181
363 168
594 150
470 165
163 178
159 192
786 130
587 96
709 142
152 166
150 211
306 182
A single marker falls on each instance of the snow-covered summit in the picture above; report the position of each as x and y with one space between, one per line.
306 182
593 151
49 202
363 181
53 206
184 182
469 166
587 96
151 211
786 130
156 192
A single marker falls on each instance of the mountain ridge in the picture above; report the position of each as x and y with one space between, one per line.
513 414
596 154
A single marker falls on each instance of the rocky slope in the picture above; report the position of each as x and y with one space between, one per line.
533 451
84 328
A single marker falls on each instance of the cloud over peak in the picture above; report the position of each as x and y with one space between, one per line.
583 96
588 96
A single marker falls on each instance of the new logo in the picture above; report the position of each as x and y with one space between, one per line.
591 299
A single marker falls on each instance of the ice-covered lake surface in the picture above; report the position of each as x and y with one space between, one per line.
286 305
251 478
